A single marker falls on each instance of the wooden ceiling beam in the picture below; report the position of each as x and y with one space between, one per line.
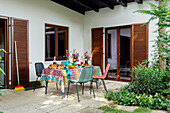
122 2
109 3
69 5
139 1
88 4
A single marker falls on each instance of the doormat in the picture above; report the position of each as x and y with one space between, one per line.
32 87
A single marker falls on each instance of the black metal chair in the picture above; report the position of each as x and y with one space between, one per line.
39 66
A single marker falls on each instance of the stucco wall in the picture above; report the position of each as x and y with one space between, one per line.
39 12
120 16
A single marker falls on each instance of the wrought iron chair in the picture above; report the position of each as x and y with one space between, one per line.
102 77
85 76
39 66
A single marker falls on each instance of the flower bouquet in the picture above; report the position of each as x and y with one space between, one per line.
75 57
86 57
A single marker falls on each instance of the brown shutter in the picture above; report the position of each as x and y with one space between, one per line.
20 35
97 47
139 50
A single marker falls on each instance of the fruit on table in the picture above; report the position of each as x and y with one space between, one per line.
71 67
86 65
50 66
54 63
54 66
60 66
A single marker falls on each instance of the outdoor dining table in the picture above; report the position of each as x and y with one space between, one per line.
61 76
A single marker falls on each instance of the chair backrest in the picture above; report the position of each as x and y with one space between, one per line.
39 68
106 71
86 74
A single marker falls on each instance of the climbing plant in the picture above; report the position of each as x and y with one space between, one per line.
161 54
2 73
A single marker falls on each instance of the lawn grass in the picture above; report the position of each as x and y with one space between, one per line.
142 110
107 109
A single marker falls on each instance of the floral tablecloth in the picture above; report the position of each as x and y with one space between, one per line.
61 77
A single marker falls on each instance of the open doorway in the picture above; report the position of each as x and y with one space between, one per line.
125 64
3 45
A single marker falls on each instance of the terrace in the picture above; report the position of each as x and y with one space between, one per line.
38 102
98 52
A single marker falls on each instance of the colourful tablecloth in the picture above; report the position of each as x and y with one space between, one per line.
61 77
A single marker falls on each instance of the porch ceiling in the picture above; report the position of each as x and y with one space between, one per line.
82 6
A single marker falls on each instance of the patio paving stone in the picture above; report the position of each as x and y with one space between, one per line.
38 102
92 110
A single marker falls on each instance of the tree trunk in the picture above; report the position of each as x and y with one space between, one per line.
162 62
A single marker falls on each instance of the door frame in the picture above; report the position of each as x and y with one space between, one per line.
7 50
118 50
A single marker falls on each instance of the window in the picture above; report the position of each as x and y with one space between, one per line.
56 42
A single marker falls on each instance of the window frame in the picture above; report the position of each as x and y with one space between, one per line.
56 41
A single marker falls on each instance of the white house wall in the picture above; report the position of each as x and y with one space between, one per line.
120 16
39 12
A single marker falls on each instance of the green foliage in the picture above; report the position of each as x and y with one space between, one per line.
1 70
142 110
107 109
148 80
124 97
163 14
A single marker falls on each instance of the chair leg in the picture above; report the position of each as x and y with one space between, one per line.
77 93
35 84
104 85
92 88
46 87
68 88
82 88
57 86
96 83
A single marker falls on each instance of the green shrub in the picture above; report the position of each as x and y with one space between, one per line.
124 97
148 80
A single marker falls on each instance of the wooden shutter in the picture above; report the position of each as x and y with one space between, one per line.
20 35
97 47
139 48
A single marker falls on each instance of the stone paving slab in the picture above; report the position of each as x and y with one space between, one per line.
52 102
90 110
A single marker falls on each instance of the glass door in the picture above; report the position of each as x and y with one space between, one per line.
2 46
112 53
118 41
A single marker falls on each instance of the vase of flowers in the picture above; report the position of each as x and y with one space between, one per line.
86 57
75 57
